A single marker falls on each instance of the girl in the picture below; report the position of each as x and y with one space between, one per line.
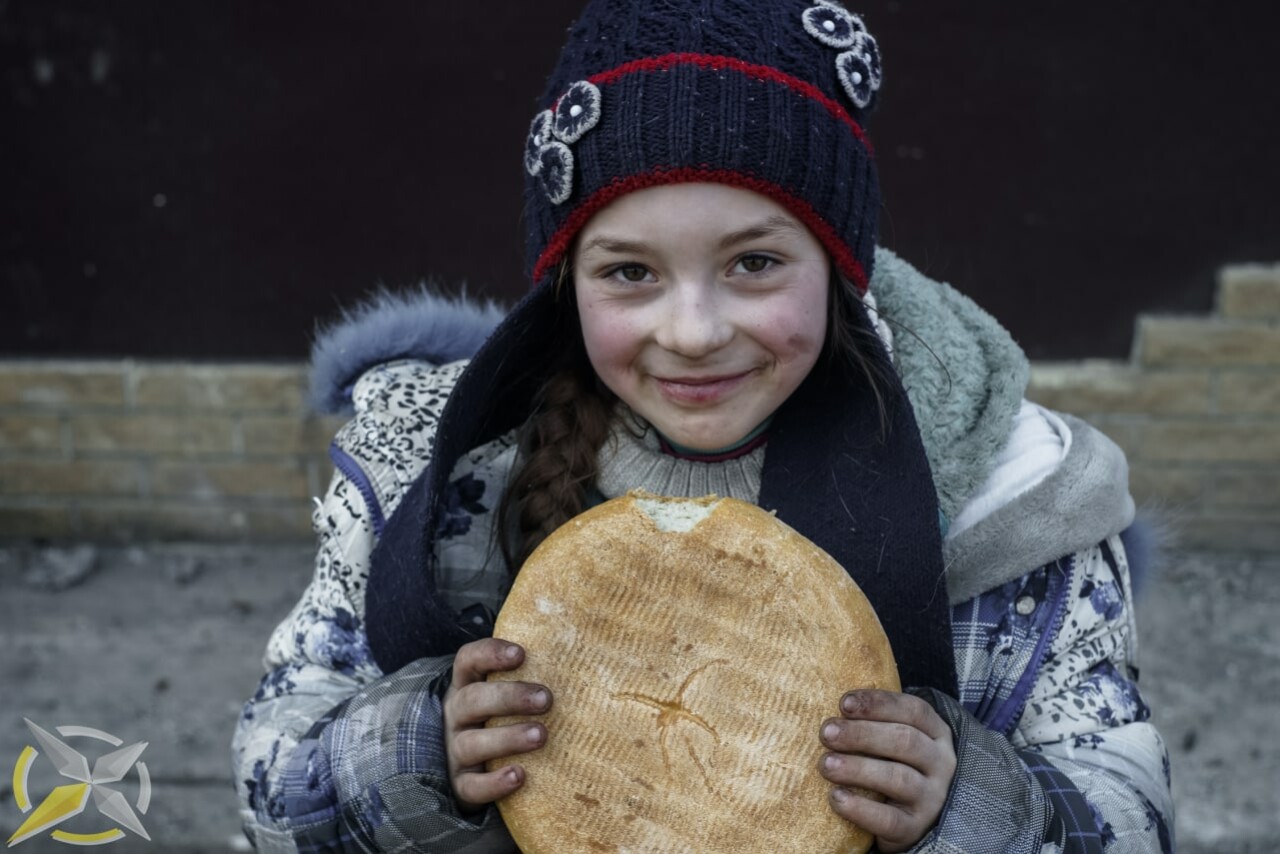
710 313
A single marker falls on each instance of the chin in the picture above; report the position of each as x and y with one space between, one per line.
702 440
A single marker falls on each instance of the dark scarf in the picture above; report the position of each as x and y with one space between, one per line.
870 504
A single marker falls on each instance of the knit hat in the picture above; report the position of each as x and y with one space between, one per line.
768 95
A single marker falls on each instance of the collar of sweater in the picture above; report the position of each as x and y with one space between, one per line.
632 458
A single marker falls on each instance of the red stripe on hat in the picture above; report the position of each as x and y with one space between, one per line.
558 245
719 63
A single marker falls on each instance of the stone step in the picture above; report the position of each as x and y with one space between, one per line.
1249 291
1097 386
1206 342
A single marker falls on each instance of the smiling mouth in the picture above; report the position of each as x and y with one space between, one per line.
700 389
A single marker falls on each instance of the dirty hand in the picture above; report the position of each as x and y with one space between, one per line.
469 703
896 745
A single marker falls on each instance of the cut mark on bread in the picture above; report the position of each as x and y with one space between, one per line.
676 515
671 713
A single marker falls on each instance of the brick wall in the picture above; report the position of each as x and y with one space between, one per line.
123 450
1197 410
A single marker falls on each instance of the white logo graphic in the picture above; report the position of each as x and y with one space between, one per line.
70 800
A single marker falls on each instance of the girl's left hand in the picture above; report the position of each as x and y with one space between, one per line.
896 745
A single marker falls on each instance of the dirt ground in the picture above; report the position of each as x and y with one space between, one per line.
162 644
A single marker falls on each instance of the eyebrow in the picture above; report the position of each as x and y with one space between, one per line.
771 226
614 246
621 246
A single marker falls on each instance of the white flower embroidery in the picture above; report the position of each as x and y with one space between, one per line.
547 155
858 67
832 25
539 136
577 112
556 172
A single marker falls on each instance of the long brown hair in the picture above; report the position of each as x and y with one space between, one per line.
561 441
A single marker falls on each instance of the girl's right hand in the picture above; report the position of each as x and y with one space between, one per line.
469 703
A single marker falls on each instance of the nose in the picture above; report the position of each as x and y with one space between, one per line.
696 322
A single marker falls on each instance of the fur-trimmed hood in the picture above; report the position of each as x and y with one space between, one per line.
415 324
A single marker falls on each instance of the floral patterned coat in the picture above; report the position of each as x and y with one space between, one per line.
1054 748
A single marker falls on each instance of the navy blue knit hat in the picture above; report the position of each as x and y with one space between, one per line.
769 95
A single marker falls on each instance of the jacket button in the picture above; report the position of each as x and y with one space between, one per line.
1025 605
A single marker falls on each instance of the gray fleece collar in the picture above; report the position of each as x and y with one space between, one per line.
966 378
414 324
964 375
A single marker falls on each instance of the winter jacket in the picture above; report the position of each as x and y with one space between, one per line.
1054 748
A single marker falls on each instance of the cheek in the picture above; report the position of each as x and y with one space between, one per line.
793 324
795 336
801 343
610 338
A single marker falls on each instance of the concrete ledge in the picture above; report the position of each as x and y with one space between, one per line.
1118 387
1206 342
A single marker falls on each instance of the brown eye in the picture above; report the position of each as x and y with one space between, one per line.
755 263
633 273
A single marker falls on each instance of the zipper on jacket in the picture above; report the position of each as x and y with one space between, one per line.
1011 709
351 470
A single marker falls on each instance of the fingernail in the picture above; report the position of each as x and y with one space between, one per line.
534 734
830 731
512 776
841 795
540 699
849 703
511 652
829 762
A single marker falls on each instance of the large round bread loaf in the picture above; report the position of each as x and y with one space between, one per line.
694 647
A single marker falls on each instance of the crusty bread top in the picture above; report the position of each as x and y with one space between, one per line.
694 647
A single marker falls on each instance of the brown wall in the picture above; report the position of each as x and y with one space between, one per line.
124 450
204 180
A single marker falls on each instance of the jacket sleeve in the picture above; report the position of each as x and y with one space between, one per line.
1055 752
331 754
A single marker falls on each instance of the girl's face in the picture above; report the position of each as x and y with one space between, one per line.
703 307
